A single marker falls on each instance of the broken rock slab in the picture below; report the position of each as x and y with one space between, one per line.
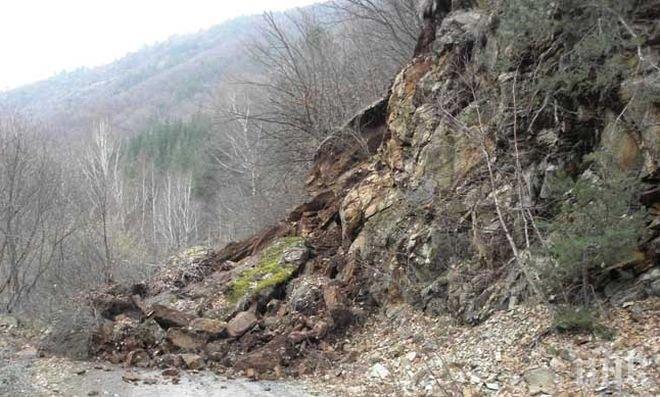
211 327
167 317
193 361
185 340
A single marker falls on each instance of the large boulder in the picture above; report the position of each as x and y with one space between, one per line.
261 275
241 323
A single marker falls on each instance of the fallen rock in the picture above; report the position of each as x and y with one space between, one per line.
170 372
305 296
211 327
150 333
241 323
167 317
261 361
138 358
540 380
184 340
130 376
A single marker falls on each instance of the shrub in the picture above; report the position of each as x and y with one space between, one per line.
575 49
580 319
598 225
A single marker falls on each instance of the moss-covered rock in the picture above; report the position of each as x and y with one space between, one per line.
271 269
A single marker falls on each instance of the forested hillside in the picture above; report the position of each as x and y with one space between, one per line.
171 79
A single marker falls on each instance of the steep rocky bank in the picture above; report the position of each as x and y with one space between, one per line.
435 210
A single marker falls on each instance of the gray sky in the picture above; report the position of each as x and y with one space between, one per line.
39 38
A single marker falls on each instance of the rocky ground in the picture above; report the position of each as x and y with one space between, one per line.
514 353
400 352
24 372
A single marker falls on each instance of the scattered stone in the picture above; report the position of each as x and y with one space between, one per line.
493 386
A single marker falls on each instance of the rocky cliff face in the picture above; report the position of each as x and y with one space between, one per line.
435 208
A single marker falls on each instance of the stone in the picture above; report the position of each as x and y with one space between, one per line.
493 386
654 288
138 358
170 361
298 336
150 333
211 327
295 255
130 376
305 296
8 322
170 372
167 317
184 340
378 370
332 296
461 27
261 361
320 329
540 380
241 323
193 361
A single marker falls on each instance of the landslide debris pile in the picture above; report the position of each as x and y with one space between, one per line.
424 214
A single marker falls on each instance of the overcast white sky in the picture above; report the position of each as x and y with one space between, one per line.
39 38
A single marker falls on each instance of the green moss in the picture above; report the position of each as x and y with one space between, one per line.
269 271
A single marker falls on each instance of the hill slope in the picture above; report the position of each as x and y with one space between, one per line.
167 79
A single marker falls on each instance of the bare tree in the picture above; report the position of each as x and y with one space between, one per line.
316 79
100 166
175 219
32 227
392 26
